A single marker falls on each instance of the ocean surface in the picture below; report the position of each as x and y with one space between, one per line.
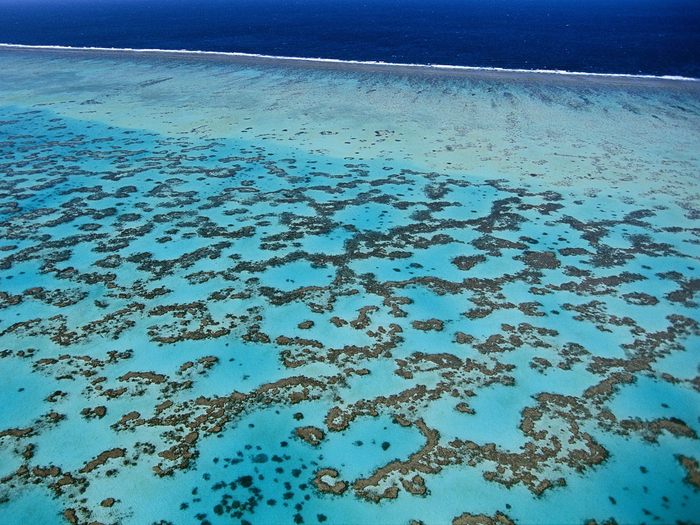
240 290
656 37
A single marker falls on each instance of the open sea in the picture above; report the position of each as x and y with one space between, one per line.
656 37
238 288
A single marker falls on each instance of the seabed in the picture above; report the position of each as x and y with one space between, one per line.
248 290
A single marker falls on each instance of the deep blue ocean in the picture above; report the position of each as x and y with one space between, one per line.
660 37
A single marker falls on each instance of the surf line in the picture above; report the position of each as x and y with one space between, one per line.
338 61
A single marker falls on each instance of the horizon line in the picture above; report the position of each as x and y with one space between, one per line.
450 67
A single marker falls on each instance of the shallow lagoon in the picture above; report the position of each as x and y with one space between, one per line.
237 289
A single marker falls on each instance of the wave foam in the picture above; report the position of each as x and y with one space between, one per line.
352 62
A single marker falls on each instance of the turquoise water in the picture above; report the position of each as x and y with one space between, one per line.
240 291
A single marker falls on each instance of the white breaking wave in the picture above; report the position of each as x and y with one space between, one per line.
355 62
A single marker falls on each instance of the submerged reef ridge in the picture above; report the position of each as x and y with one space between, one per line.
322 323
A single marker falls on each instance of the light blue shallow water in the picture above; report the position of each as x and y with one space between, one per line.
246 292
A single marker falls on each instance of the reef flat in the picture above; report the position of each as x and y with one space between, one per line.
257 292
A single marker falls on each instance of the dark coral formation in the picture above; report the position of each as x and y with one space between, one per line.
203 250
